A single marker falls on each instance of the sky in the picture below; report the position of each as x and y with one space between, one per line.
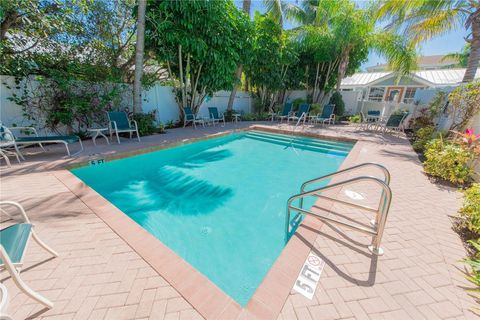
450 42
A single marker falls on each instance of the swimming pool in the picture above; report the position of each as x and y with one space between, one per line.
218 203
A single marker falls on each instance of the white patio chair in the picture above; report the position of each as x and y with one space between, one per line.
13 245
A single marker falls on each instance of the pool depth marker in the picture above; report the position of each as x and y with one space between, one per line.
307 280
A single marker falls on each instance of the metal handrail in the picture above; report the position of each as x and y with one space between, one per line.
381 212
386 177
386 173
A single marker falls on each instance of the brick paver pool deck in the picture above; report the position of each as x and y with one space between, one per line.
99 276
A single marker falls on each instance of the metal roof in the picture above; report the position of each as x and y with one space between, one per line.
441 77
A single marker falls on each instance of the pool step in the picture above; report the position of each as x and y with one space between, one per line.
288 137
309 144
302 143
305 140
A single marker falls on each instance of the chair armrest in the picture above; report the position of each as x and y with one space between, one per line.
134 123
32 129
114 125
18 206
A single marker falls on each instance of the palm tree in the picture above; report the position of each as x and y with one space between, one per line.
238 73
422 20
461 57
139 51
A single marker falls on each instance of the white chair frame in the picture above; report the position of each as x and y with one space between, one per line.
14 268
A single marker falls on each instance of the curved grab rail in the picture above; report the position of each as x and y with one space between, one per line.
386 173
380 218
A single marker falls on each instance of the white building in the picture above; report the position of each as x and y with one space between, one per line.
388 87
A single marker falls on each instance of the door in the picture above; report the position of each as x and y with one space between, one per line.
394 94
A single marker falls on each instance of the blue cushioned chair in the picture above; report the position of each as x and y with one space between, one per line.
118 122
13 245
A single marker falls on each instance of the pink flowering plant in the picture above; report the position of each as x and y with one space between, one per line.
469 139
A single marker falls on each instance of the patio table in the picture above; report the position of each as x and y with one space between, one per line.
98 131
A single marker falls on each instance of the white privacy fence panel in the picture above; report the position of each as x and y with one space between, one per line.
159 98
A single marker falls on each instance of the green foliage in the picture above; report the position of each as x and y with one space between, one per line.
66 98
470 210
269 75
337 100
464 104
202 42
474 262
145 122
422 137
297 102
355 119
316 108
261 116
448 161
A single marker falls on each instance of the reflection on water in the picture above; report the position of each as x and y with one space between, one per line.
202 158
174 192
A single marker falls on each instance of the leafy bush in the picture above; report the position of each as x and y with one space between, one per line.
262 116
470 210
145 122
337 100
355 119
464 104
474 262
422 120
297 102
316 108
422 137
449 161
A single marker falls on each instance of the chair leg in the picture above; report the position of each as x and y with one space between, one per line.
138 136
18 152
118 138
3 155
19 282
43 245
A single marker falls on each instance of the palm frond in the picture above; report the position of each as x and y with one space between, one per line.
434 25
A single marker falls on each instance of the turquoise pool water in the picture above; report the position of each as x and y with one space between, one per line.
219 203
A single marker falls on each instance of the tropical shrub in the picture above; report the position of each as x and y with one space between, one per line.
474 262
464 104
297 102
146 123
201 44
470 211
422 137
448 161
315 108
422 120
355 119
337 100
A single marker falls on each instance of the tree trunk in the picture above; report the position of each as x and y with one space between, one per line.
474 56
238 72
238 75
137 83
342 67
246 6
10 19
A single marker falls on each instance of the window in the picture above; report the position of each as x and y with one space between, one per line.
376 93
409 94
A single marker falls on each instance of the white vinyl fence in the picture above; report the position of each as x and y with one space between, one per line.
160 98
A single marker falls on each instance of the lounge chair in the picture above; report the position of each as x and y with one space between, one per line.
302 111
327 115
394 123
118 122
189 116
215 116
15 141
13 245
286 112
